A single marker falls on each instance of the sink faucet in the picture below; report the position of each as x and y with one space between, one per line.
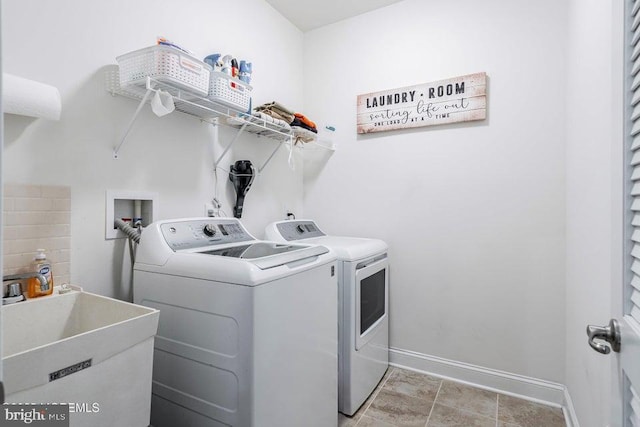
44 285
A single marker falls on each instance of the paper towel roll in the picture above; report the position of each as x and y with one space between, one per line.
30 98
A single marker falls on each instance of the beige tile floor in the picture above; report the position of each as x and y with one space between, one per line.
407 398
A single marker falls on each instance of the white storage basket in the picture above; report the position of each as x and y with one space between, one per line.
231 92
164 64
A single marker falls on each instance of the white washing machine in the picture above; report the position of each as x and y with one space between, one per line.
363 312
247 334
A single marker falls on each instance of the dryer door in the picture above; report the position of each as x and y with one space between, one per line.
372 297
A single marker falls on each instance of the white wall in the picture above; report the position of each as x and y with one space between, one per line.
473 213
594 200
67 43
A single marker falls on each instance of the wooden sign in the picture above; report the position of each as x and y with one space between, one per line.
460 99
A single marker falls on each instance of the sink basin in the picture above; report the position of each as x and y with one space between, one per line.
93 352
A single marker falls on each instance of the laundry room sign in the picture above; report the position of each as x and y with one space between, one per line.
460 99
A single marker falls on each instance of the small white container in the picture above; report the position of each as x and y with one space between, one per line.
164 64
229 91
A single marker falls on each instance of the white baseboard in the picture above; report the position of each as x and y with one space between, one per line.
569 411
533 389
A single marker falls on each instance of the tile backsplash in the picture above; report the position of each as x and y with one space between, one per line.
36 216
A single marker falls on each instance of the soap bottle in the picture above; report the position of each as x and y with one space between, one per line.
42 266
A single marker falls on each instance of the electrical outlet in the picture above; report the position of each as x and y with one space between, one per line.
209 209
288 212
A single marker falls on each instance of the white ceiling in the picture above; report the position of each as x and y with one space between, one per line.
308 15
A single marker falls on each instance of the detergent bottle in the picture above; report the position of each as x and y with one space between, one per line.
43 266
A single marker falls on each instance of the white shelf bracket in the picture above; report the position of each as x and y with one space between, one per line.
235 138
280 144
143 101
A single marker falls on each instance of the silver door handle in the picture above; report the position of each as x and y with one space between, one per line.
609 334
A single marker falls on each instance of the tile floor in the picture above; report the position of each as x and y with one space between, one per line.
407 398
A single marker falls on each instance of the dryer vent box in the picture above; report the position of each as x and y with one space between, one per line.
121 204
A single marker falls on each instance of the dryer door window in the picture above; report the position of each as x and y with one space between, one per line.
372 300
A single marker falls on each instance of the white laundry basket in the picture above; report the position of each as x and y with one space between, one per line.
164 64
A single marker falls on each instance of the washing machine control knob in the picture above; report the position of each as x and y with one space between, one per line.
300 229
209 230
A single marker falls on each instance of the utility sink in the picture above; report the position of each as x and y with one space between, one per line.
93 352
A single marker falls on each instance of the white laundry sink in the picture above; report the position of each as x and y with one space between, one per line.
93 352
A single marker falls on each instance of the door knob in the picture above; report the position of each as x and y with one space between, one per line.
609 334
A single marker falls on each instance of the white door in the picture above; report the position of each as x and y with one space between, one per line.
1 181
622 334
630 322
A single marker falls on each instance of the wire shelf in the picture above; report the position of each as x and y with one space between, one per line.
202 108
199 107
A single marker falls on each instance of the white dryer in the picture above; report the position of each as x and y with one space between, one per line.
247 334
363 312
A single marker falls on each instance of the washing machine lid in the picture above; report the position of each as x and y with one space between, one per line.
267 255
307 231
